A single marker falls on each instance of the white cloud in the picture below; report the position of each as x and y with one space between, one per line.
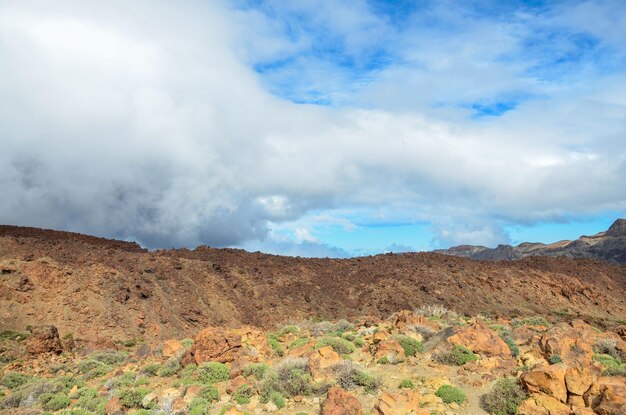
148 122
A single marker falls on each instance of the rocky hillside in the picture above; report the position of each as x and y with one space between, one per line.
112 289
609 245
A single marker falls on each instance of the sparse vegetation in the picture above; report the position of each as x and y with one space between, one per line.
243 394
198 406
132 397
555 359
410 345
505 397
290 378
54 401
457 356
13 380
276 347
13 335
338 344
350 375
258 370
212 372
407 384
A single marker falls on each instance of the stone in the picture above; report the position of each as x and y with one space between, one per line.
171 347
214 344
398 403
44 339
578 380
607 396
574 351
321 361
543 405
149 400
113 406
232 411
235 384
391 350
480 339
547 380
340 402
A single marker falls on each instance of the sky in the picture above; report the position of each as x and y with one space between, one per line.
314 128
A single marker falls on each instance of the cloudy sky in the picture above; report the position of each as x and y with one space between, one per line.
320 128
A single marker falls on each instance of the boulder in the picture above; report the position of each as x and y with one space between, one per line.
214 344
171 347
547 380
398 403
254 342
480 339
574 351
113 406
149 400
390 350
320 362
543 405
44 339
235 384
579 379
607 396
340 402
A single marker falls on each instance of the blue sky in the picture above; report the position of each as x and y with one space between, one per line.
314 128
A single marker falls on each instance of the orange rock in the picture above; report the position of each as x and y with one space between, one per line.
233 411
302 350
254 342
390 349
215 344
548 380
340 402
607 396
543 405
574 351
236 384
171 347
114 405
578 380
481 339
398 403
321 360
380 336
44 339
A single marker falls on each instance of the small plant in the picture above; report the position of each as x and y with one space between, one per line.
169 368
291 329
13 335
338 344
110 357
449 394
278 399
198 406
439 312
407 384
54 401
609 347
132 397
343 325
410 345
383 360
505 397
457 356
189 370
555 359
151 369
276 347
299 342
258 370
290 378
506 335
13 380
187 343
209 393
243 394
350 375
213 372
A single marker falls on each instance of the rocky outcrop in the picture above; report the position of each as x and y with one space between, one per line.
321 361
341 402
44 339
482 340
402 402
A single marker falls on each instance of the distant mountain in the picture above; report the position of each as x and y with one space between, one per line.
609 245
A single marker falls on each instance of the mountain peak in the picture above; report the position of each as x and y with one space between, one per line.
618 228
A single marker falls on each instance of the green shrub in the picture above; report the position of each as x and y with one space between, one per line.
504 398
169 368
506 335
410 345
449 394
151 369
209 393
555 359
243 394
349 375
54 401
132 397
278 399
299 342
607 361
110 357
198 406
457 356
189 370
213 372
13 380
338 344
187 343
290 378
383 360
258 370
407 384
276 347
12 335
291 329
88 399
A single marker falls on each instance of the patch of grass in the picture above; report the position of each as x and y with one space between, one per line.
278 399
13 380
341 346
198 406
407 384
555 359
299 342
54 401
504 398
132 397
276 347
13 335
209 393
410 345
383 360
243 394
151 369
449 394
258 370
213 372
457 356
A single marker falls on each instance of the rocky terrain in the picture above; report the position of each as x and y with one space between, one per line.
112 289
609 245
424 362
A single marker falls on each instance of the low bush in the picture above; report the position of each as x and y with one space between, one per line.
555 359
258 370
504 398
13 380
290 378
212 372
449 394
110 357
531 321
609 347
506 335
278 399
341 346
29 393
299 342
169 368
198 406
410 345
54 401
276 347
209 393
350 375
436 311
13 335
407 384
151 369
132 397
243 394
457 356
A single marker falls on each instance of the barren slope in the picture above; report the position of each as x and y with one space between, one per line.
100 287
